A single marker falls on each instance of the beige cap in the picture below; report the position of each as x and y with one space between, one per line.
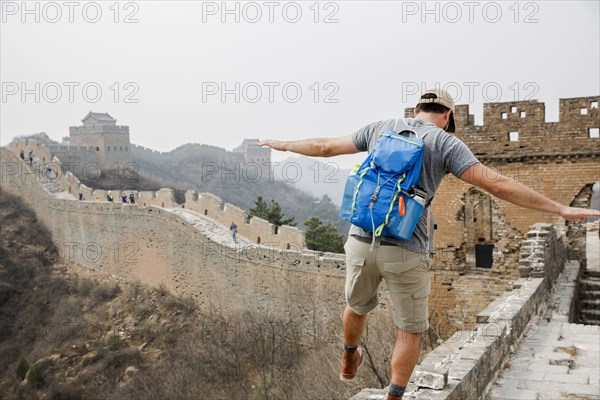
443 98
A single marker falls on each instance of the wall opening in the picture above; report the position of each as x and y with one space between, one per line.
594 104
477 224
576 230
594 133
523 114
97 148
513 136
504 115
583 111
258 240
205 211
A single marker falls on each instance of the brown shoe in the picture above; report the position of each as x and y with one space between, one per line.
350 363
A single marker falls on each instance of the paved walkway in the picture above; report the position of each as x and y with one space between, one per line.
557 359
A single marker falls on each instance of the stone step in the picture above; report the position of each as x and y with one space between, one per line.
589 315
591 322
595 274
590 277
590 304
590 294
588 284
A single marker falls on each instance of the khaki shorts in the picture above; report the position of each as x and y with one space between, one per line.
406 274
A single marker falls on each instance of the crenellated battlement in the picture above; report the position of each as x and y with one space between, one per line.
518 129
87 129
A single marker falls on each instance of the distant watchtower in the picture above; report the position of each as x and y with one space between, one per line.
110 140
254 154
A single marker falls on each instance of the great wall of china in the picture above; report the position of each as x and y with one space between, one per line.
187 247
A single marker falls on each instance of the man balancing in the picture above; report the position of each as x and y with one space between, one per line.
404 264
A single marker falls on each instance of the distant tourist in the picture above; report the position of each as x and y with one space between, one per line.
124 198
233 229
131 198
80 196
30 157
22 155
109 196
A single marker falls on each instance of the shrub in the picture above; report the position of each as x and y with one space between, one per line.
22 368
37 372
84 286
103 292
120 358
63 393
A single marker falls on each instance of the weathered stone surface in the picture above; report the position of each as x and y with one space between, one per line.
430 378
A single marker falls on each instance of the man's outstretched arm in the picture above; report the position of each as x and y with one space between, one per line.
318 147
510 190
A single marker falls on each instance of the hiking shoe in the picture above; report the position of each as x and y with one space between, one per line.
393 397
350 363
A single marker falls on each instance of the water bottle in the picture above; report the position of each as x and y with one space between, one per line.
402 227
348 199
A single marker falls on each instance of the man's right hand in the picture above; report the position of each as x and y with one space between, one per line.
274 144
574 213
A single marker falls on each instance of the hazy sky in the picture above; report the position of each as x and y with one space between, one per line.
215 73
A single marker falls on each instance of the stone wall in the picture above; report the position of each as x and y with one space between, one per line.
151 245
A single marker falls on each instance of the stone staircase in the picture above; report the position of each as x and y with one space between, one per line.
589 298
48 179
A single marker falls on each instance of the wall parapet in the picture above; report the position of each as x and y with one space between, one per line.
465 366
255 229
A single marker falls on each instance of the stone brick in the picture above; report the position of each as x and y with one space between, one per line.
430 378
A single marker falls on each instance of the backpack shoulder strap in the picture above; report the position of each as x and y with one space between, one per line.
400 125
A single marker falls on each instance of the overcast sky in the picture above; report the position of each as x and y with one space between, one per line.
290 69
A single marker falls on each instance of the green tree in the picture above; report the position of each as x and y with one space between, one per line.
323 237
271 213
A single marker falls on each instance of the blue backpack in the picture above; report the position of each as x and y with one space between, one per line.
382 196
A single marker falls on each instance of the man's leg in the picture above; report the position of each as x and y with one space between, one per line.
405 356
362 281
354 325
352 356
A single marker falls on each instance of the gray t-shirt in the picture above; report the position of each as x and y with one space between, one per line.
444 153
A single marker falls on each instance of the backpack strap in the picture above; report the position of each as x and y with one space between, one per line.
400 125
431 230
